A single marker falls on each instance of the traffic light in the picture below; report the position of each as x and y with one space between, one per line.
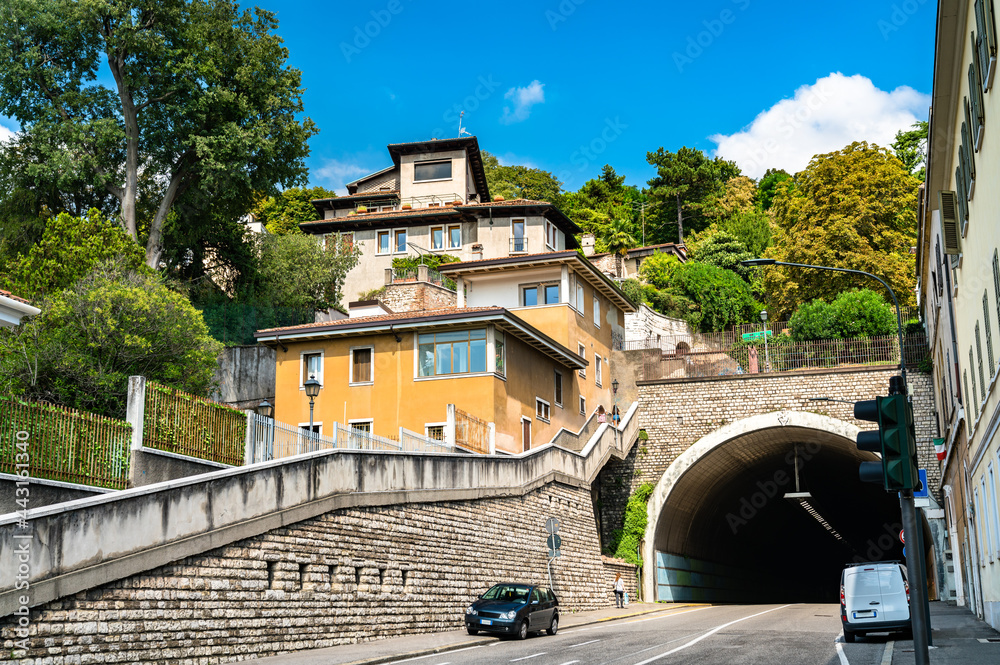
895 440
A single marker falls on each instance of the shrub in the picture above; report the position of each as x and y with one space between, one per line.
632 288
853 314
813 320
634 528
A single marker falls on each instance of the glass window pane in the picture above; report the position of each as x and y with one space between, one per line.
432 171
400 241
443 359
425 357
362 364
478 334
455 236
437 238
383 242
459 336
551 294
518 229
478 355
500 357
460 362
531 296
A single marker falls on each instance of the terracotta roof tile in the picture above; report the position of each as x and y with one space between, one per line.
385 317
386 214
8 294
514 258
511 202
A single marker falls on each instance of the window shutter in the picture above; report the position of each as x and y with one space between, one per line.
947 204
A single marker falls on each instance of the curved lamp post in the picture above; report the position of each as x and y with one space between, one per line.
266 410
915 564
312 387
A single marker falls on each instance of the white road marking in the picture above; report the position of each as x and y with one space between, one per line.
887 654
709 634
542 653
673 614
573 646
570 662
431 655
838 642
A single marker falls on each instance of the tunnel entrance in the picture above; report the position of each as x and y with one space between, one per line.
733 528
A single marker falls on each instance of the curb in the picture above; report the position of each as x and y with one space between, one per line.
487 640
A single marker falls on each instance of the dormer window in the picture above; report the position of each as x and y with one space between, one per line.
426 171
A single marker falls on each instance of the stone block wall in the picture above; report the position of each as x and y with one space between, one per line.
417 297
346 576
677 413
612 567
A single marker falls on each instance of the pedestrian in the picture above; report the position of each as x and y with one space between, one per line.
619 590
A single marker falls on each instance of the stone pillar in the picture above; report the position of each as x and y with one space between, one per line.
388 276
423 273
493 438
248 447
449 428
135 408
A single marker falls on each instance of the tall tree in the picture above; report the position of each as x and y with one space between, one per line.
520 182
282 212
202 100
911 149
767 188
687 183
853 208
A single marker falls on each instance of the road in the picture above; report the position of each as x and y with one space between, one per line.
729 635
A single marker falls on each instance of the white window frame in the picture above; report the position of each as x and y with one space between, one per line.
448 230
302 369
434 161
597 311
598 369
523 236
547 410
982 513
583 405
550 235
393 245
581 351
581 298
430 237
558 389
350 368
994 522
362 421
442 425
378 242
304 428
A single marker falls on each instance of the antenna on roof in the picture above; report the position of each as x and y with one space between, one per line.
460 130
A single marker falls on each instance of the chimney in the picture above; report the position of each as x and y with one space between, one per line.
587 240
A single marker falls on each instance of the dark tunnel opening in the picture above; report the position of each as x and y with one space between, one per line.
730 521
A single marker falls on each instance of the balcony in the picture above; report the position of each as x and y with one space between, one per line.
519 245
433 201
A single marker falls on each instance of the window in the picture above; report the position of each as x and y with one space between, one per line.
437 237
361 365
985 41
558 389
597 312
979 356
541 409
347 241
579 297
317 428
965 383
459 352
385 188
582 351
455 237
994 523
312 366
539 294
598 370
984 519
434 431
583 405
550 235
989 333
518 243
361 426
400 240
423 171
383 242
980 527
501 353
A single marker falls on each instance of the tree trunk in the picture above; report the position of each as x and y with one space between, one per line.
154 246
131 119
680 221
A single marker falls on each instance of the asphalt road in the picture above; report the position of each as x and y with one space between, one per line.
729 635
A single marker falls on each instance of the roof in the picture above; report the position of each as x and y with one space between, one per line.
8 294
434 318
351 186
469 143
679 248
588 271
374 218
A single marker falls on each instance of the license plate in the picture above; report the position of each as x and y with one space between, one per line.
866 614
486 622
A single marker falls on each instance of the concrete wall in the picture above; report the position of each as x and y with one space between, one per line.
648 325
45 492
245 376
148 466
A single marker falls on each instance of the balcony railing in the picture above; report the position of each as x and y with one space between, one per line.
434 200
518 245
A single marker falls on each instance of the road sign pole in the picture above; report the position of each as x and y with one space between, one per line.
914 571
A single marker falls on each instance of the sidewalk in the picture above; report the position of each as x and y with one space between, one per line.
411 646
956 635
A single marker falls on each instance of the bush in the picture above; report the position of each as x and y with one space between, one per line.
813 320
854 314
432 261
632 288
634 528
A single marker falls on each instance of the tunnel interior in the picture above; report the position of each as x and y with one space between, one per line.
731 509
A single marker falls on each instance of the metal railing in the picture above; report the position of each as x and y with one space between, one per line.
57 443
413 442
433 200
518 245
407 275
472 433
176 422
690 358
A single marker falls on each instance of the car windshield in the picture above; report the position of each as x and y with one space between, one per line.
508 592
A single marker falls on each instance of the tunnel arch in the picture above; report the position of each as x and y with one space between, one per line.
724 504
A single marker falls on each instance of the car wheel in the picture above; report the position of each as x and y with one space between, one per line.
850 636
522 630
554 626
472 631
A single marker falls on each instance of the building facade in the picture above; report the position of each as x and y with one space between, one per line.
962 202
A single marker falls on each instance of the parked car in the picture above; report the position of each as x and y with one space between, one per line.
514 609
874 598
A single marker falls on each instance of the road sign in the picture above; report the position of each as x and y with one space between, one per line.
551 525
753 336
554 541
922 492
902 538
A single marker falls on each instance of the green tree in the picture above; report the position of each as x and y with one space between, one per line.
768 186
619 240
297 271
69 249
91 337
854 313
687 185
520 182
282 212
854 208
202 104
724 250
911 149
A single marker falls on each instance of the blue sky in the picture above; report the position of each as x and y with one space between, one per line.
569 85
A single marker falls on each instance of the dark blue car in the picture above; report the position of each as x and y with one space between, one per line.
515 610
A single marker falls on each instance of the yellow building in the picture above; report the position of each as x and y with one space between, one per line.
527 350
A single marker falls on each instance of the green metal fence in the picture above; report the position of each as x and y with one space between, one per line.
177 422
58 443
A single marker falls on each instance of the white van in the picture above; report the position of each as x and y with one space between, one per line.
874 598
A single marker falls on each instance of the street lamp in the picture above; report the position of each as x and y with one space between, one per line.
767 357
266 410
312 387
915 564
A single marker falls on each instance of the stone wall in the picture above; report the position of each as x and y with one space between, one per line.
245 376
612 567
345 576
417 297
677 413
660 331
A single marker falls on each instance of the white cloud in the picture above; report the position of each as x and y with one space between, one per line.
6 133
510 159
524 99
823 117
334 174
